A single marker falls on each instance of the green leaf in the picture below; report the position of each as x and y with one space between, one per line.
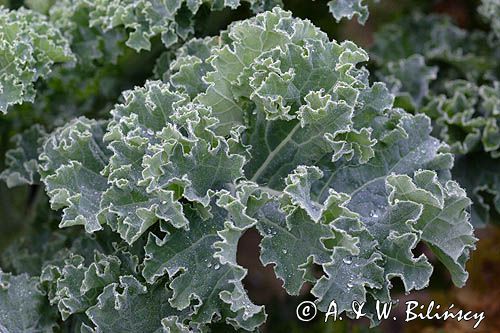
444 219
155 164
437 39
190 66
282 130
348 280
348 9
289 241
199 274
29 47
77 285
322 145
145 19
233 63
483 188
409 79
130 306
22 161
71 164
23 306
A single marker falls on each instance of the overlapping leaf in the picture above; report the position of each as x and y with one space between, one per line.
23 305
71 164
142 20
436 38
468 117
129 306
22 161
211 277
285 133
29 47
76 286
277 114
464 100
409 80
162 151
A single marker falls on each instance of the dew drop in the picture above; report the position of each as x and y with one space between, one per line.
347 261
217 266
285 251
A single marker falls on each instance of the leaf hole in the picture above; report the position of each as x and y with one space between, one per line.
261 283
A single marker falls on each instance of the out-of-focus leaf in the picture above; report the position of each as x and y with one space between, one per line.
409 79
22 161
490 9
23 306
29 47
349 9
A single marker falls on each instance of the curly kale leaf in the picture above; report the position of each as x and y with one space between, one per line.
451 75
139 20
349 9
284 133
29 47
23 306
22 161
72 159
409 80
129 306
468 54
483 188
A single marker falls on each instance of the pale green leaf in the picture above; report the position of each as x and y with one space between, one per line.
29 47
22 161
23 306
130 306
71 164
349 9
212 282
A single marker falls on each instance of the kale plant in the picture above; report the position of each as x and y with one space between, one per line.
140 186
453 76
